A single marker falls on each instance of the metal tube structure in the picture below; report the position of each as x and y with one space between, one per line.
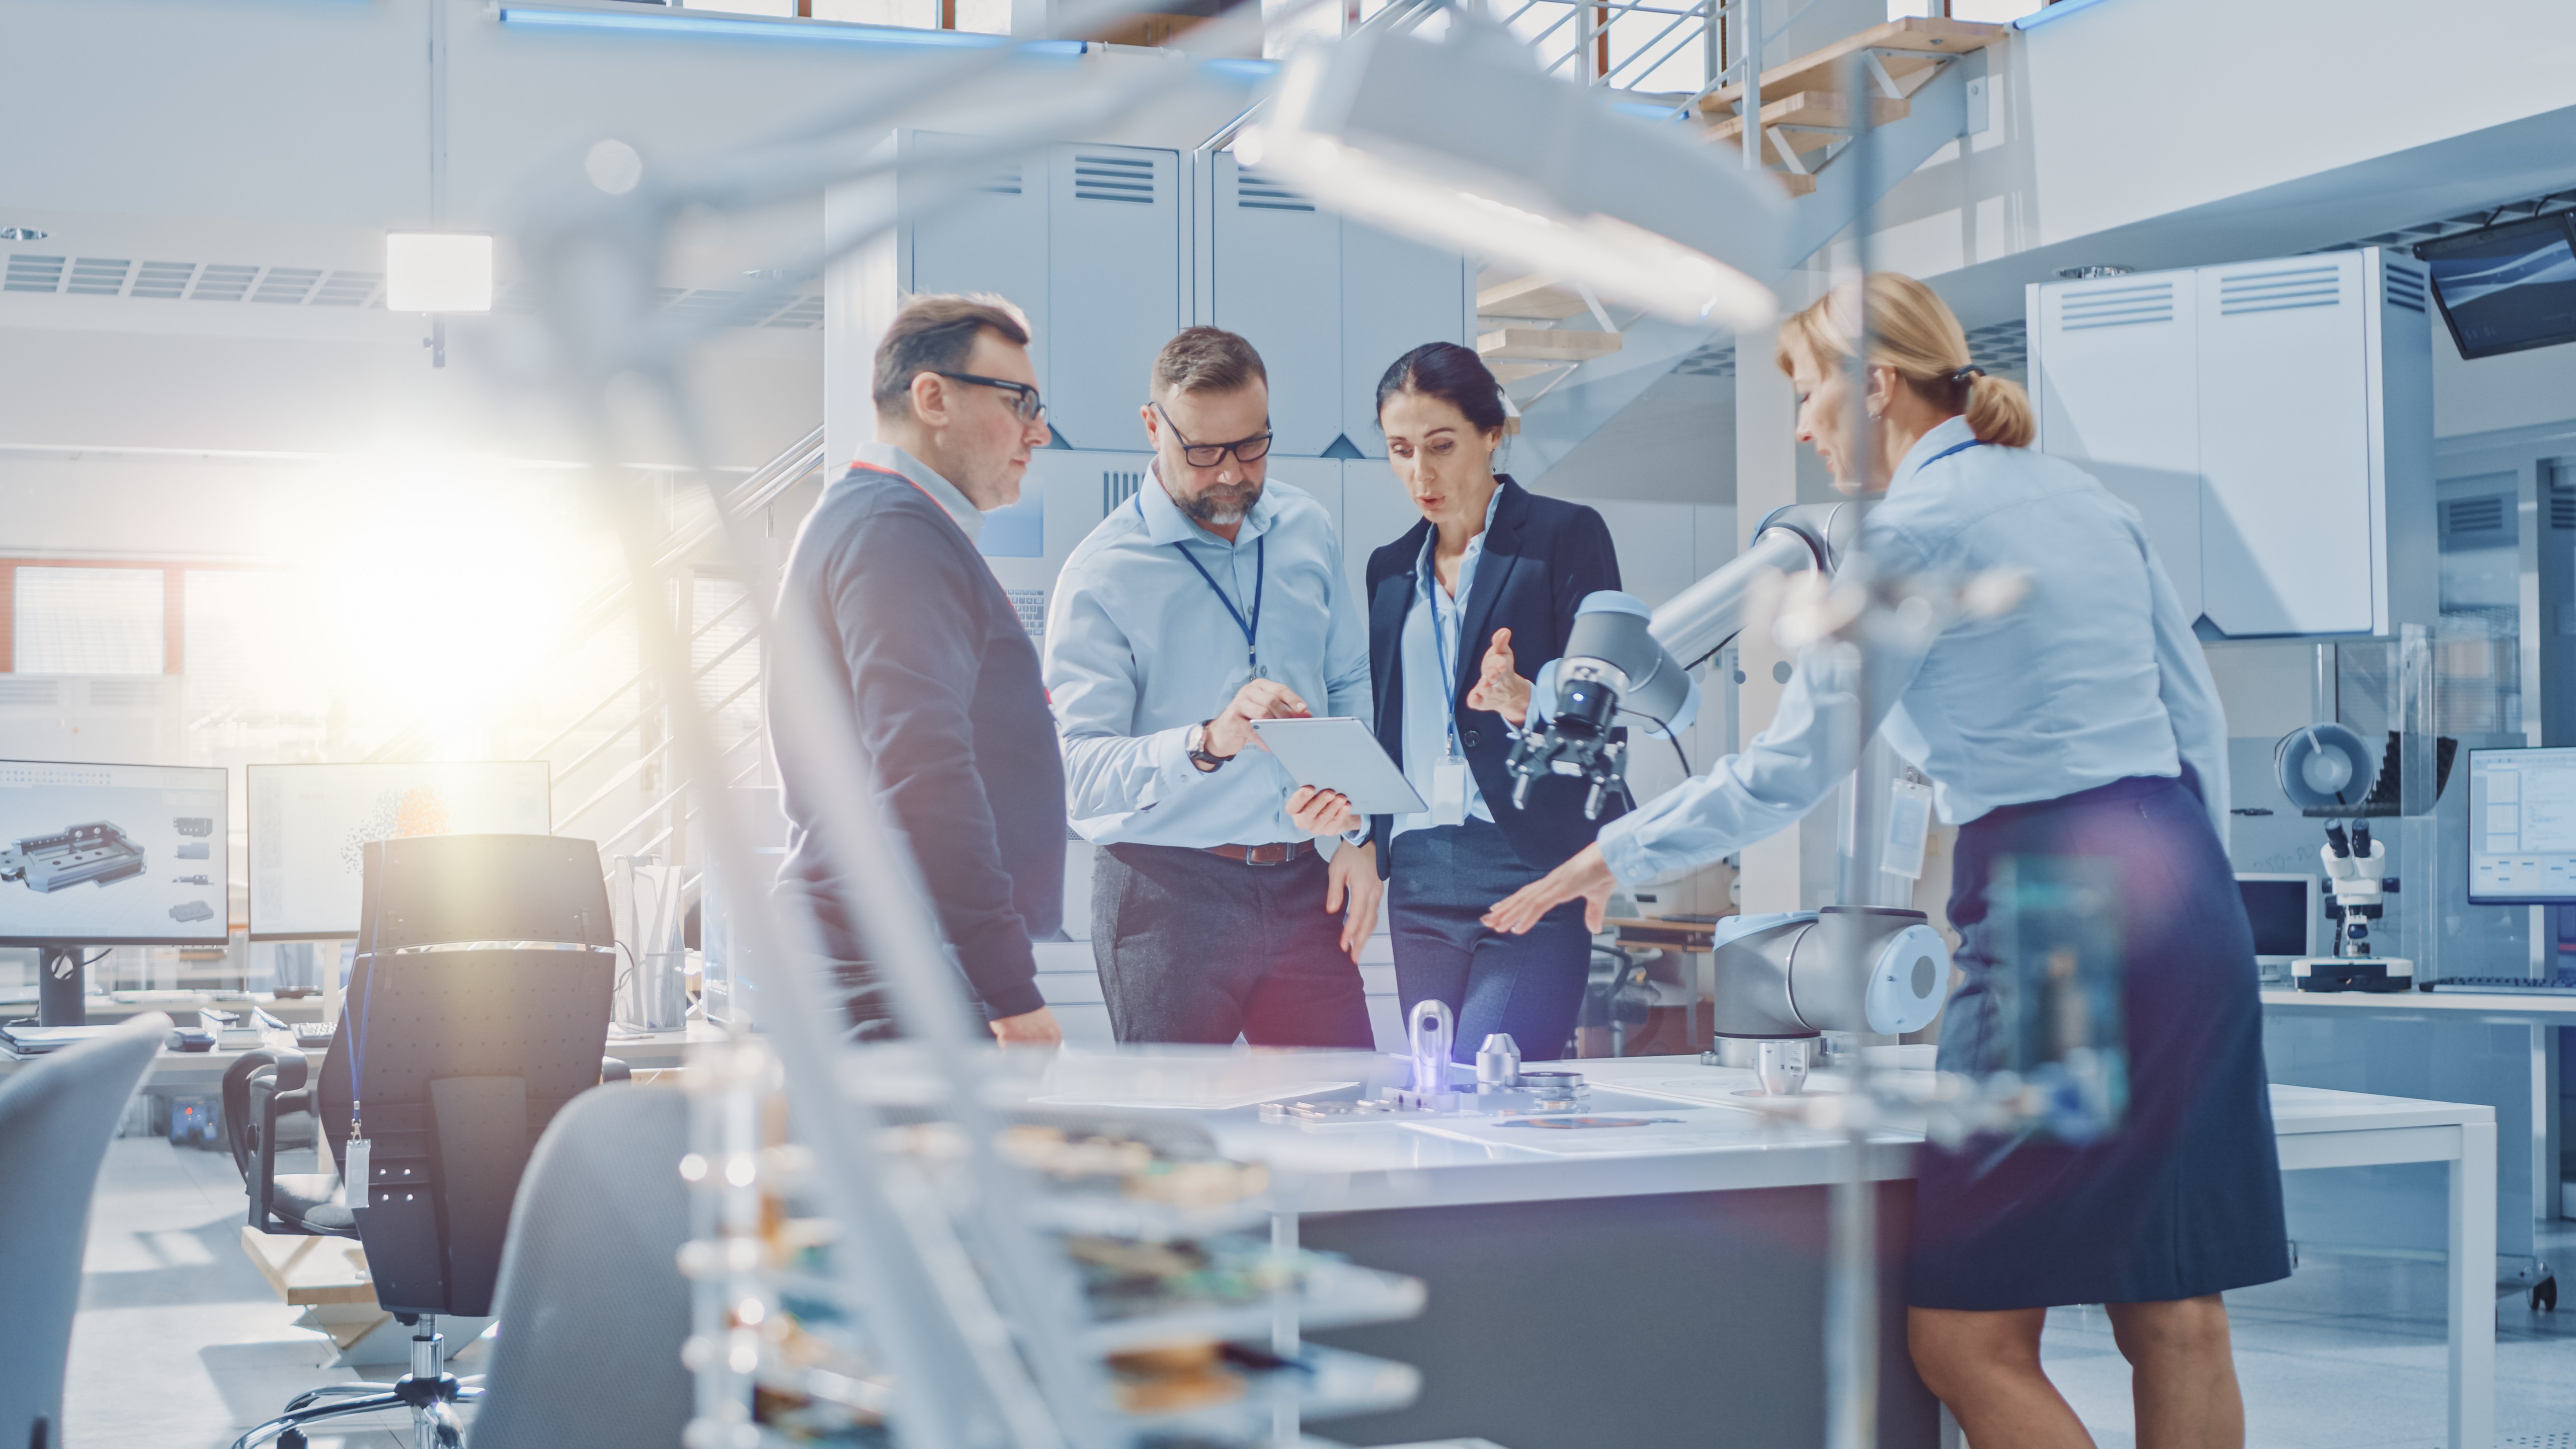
1698 621
1750 138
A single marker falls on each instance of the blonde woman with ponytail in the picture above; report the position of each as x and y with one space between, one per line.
2082 722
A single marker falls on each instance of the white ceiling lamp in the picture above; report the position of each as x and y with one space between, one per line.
1465 143
438 272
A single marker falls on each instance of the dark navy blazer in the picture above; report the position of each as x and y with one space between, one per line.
1542 556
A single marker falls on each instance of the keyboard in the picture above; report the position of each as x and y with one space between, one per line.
2503 985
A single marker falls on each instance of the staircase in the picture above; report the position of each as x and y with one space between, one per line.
1569 367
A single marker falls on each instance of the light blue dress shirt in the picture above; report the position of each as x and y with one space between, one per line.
1138 649
2094 676
1430 626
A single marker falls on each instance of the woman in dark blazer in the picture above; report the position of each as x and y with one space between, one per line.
1463 609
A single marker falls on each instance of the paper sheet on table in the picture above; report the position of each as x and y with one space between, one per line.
1212 1102
1666 1129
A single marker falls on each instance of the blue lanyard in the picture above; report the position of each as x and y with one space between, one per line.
1953 448
1440 646
1260 577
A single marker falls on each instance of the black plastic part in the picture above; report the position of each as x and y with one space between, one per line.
61 984
2544 1295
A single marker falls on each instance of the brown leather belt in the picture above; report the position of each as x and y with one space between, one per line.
1280 854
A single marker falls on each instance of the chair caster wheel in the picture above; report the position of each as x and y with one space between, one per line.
291 1439
2544 1295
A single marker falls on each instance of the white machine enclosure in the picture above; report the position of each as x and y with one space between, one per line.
2272 421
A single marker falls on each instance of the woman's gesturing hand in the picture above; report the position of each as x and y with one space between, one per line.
1499 687
1586 877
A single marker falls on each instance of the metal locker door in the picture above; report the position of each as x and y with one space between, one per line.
1396 295
2112 369
2286 533
994 240
1061 500
1114 273
1375 512
1276 265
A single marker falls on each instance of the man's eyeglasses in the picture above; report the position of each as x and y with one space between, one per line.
1024 398
1208 455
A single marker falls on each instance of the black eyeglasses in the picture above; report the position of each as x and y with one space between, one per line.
1024 400
1208 455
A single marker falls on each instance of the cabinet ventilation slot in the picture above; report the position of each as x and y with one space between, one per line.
2127 306
1114 178
2464 519
2280 291
167 281
97 277
40 692
1003 183
289 285
33 273
2562 507
1260 193
223 282
124 693
2405 288
1117 488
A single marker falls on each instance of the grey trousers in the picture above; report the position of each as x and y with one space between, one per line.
1193 947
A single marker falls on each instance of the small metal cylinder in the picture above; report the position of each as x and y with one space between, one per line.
1498 1062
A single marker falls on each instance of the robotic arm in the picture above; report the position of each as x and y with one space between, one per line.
1623 666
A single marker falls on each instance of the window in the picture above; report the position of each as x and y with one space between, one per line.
88 621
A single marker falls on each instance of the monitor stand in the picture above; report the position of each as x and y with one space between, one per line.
61 984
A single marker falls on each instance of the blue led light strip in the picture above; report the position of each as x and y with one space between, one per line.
744 28
2047 13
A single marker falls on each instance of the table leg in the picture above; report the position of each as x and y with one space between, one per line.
2472 1288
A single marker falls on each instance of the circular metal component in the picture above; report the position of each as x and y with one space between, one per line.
1908 982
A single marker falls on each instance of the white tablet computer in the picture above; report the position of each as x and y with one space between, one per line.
1340 754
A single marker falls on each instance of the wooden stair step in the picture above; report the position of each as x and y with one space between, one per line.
1530 297
1508 373
1929 39
1810 108
1542 344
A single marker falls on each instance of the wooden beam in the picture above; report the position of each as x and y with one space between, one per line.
1811 108
1530 297
1545 344
1928 39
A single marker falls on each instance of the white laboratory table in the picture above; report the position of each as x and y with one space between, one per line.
1473 1182
2498 1048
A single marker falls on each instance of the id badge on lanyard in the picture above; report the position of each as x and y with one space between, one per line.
1449 792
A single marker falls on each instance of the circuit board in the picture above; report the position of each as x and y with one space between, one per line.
96 852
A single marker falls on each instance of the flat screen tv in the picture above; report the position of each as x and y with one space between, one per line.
2507 288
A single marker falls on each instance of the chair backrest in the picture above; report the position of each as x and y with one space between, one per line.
56 1118
458 1061
431 890
592 1306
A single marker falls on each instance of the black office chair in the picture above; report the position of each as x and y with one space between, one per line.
477 1007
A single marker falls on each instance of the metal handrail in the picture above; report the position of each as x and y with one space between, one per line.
637 765
567 732
673 794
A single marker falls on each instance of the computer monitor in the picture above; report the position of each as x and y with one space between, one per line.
2506 288
310 826
112 855
2284 911
2522 827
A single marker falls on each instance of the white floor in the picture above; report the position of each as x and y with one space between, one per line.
181 1345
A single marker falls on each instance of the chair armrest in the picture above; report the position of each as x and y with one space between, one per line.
236 1100
613 1070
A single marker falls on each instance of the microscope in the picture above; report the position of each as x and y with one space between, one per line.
2327 770
1782 976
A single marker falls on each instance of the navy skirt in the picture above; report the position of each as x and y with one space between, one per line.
2185 1198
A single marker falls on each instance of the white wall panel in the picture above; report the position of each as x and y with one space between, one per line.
1113 240
993 240
1396 295
2284 439
2113 370
1275 276
1073 491
1375 513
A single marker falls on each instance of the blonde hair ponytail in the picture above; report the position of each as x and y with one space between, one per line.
1914 333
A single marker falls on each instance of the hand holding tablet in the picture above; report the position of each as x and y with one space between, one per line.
1339 754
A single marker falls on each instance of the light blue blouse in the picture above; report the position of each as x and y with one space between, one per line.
2094 677
1430 627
